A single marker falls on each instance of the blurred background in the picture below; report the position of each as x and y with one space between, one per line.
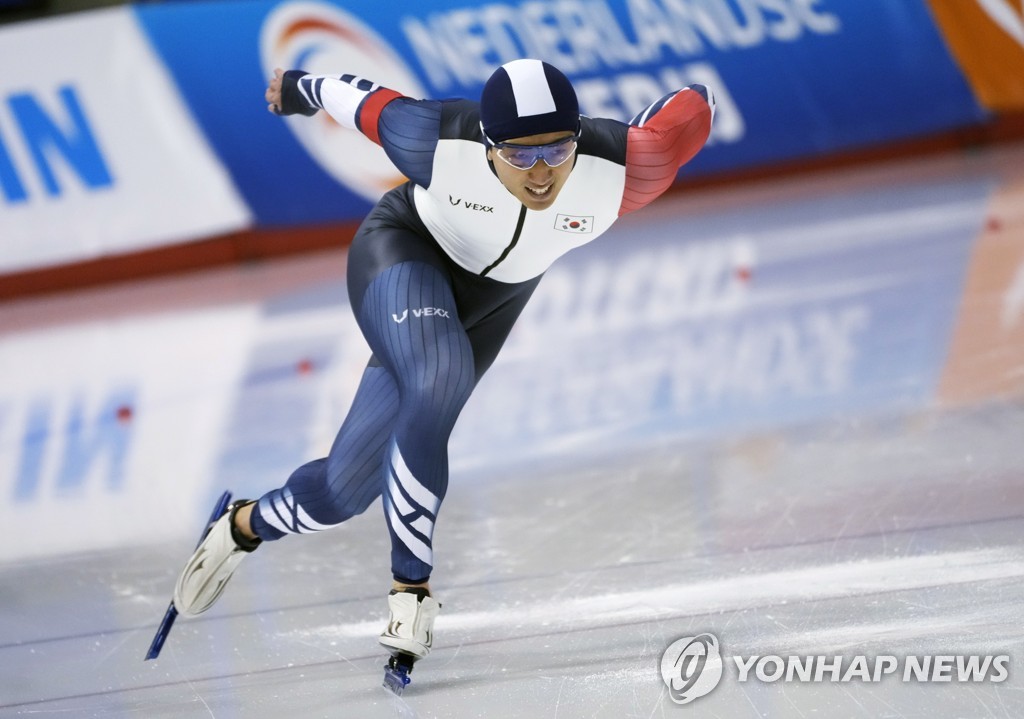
812 348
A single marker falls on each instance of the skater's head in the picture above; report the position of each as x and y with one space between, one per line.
531 121
525 98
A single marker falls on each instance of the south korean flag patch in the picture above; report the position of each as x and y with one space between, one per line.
575 223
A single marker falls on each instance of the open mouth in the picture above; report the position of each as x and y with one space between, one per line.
540 192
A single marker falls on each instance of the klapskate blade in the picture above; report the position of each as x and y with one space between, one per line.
172 612
395 680
396 672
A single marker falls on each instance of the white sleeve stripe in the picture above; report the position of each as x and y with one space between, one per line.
643 117
304 87
656 107
341 100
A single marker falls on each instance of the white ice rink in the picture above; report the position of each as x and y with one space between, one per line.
789 414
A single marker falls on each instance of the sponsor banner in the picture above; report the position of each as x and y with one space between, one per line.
987 37
98 153
988 344
793 78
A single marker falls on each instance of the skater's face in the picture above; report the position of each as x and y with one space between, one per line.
539 185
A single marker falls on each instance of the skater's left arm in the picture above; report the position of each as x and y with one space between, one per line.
406 128
661 139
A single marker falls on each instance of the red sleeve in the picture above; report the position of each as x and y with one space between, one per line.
369 112
656 150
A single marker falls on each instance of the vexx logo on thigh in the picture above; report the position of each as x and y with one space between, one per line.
422 312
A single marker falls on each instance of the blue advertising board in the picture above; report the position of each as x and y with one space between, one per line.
793 78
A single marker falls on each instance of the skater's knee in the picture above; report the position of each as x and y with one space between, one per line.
346 506
440 394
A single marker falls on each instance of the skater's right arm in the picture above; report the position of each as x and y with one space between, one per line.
406 128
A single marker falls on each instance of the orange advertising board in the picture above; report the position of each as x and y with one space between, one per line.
987 39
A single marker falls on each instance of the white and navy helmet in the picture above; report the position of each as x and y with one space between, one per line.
527 97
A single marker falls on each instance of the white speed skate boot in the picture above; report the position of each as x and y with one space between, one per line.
211 566
409 634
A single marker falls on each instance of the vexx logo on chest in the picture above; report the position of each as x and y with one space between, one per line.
470 205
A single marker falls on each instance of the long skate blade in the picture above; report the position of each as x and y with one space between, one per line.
172 612
161 632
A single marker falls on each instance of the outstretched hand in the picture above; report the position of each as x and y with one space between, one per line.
273 93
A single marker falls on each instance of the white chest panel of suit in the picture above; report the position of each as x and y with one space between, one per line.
485 229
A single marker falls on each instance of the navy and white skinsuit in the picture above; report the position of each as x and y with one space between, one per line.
437 275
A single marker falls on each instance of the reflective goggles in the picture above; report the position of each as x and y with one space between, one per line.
524 157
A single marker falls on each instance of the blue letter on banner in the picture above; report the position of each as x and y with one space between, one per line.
78 146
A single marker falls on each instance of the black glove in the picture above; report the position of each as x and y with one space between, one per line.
292 101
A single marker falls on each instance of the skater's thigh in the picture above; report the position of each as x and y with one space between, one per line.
410 319
378 246
498 306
